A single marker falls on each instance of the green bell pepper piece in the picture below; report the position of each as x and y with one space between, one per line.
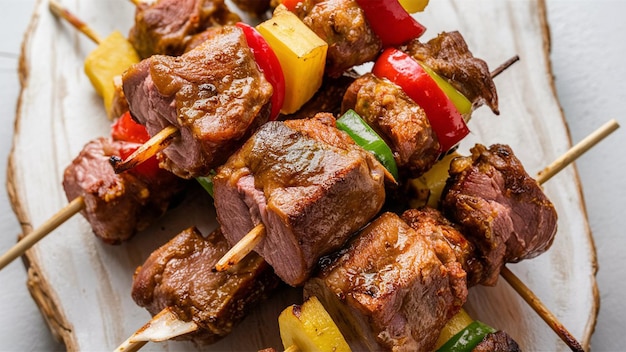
468 338
351 123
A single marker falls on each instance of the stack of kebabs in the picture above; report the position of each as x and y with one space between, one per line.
389 281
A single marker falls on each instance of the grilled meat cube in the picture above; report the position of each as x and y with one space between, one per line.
388 290
451 247
117 206
341 24
448 55
179 275
164 26
310 186
214 94
500 209
498 341
397 119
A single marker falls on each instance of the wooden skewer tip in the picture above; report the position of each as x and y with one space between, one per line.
81 26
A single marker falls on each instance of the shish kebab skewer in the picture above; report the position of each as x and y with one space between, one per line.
93 188
78 205
158 138
161 140
157 329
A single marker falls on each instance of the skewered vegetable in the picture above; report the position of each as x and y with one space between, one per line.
302 56
444 117
111 58
310 328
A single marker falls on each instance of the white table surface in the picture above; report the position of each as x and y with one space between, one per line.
588 51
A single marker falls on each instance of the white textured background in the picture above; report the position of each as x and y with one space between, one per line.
589 63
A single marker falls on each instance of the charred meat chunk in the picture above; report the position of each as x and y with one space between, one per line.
179 275
214 94
164 26
308 183
397 119
388 290
341 24
117 205
499 207
448 55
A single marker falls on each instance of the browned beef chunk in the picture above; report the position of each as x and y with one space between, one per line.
308 183
397 119
450 57
388 290
164 26
501 209
341 24
119 105
117 206
498 341
179 275
450 246
214 94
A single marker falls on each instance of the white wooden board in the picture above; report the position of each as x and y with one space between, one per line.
83 285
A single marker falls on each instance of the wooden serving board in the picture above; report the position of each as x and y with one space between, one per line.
83 285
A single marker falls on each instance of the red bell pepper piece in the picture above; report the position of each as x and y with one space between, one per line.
390 21
407 73
127 129
268 64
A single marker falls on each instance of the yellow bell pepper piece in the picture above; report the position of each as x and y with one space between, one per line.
302 56
309 327
113 56
459 100
458 322
428 187
413 6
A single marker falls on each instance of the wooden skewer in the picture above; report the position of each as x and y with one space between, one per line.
30 239
154 145
529 296
83 27
504 66
577 150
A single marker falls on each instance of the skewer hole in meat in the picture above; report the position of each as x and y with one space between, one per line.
308 183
